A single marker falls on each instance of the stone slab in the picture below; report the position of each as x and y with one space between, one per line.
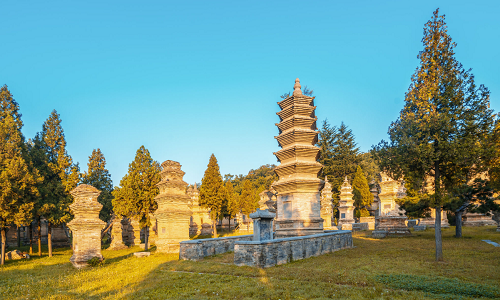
142 254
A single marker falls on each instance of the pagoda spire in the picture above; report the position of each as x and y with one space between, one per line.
296 88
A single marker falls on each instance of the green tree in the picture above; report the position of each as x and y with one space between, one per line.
362 195
370 167
98 176
212 192
444 127
249 201
18 182
475 197
231 200
135 197
60 176
339 155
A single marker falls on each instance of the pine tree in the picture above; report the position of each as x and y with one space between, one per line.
60 175
17 181
135 198
212 191
362 195
444 127
98 176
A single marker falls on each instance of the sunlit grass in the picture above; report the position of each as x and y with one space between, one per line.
352 273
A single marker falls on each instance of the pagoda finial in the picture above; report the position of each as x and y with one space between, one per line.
195 187
296 88
326 178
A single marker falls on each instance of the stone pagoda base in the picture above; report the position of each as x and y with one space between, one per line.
290 227
472 219
390 226
431 222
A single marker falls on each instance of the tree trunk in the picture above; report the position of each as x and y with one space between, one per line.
30 236
215 229
39 229
437 224
146 238
458 223
439 242
49 238
18 236
4 240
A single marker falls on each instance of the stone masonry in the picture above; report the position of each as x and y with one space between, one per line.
86 226
173 213
262 225
326 205
346 206
269 253
116 235
298 199
200 223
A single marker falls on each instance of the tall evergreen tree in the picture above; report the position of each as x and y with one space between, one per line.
249 201
17 181
444 127
231 200
212 192
98 176
135 198
339 154
60 176
362 195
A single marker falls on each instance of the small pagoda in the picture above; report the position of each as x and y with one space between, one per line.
326 205
298 187
173 211
346 206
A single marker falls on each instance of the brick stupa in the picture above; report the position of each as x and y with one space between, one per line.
173 211
298 187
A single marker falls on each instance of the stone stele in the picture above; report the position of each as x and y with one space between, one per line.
298 187
86 226
173 213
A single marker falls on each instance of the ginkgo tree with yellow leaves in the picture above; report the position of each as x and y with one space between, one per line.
444 127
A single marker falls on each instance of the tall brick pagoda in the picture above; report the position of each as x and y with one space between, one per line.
173 211
298 187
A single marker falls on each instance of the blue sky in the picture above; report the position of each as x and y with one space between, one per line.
190 78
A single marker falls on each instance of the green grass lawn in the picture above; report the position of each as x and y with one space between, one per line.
402 268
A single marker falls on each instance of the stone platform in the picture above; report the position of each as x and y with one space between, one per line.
198 249
390 226
264 254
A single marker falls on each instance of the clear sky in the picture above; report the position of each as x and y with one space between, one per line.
190 78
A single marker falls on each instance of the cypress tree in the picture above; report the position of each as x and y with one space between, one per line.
444 127
362 196
248 199
17 181
231 200
98 176
136 195
60 176
212 191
